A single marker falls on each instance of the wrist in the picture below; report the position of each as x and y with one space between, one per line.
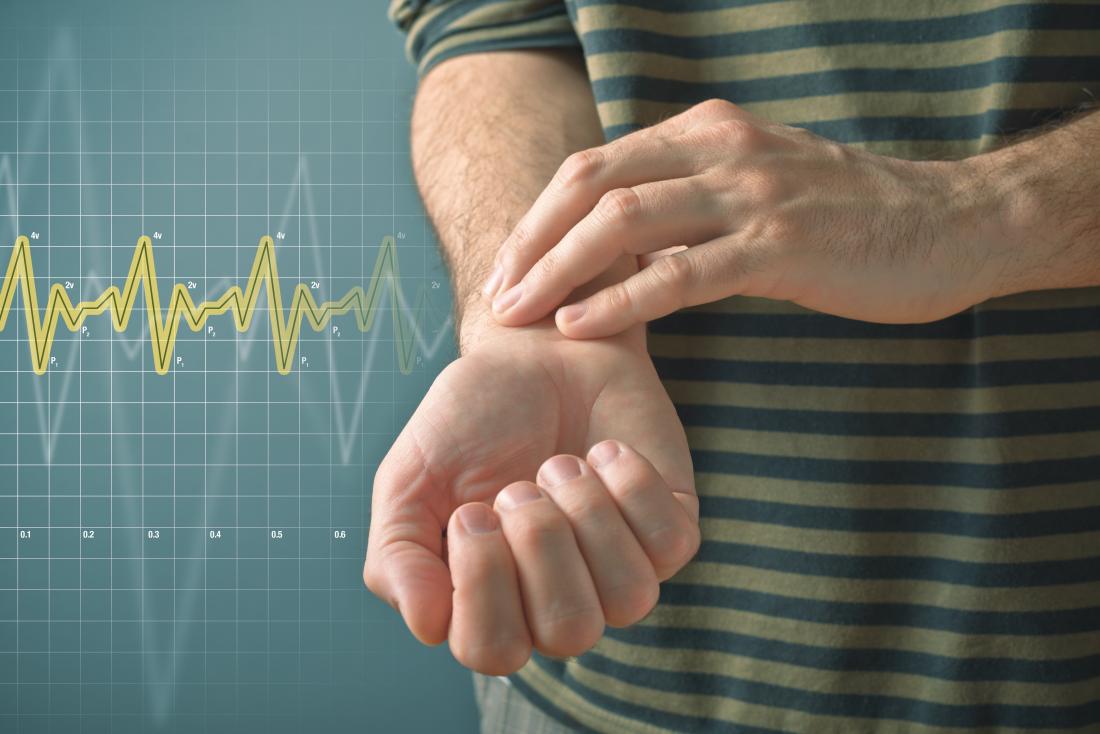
1002 185
476 324
473 324
478 328
978 224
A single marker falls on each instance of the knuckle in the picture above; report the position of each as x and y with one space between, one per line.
535 533
617 298
583 504
713 108
672 547
374 578
837 152
673 275
693 539
803 134
568 630
496 657
631 603
580 167
629 486
546 266
736 132
373 574
619 206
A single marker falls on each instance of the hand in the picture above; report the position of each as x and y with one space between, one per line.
720 202
586 551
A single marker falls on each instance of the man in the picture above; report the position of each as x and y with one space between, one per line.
881 336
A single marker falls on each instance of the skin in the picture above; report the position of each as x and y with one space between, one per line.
721 203
451 547
544 575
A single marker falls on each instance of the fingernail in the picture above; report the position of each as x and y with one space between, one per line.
518 494
604 453
572 312
493 282
477 519
559 470
508 298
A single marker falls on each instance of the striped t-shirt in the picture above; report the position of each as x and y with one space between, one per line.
901 524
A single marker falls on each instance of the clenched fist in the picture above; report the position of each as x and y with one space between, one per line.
554 561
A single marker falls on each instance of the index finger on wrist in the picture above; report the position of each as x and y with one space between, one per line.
575 189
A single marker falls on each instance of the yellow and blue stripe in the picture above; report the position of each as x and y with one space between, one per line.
901 523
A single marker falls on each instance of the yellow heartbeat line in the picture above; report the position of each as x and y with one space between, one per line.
41 328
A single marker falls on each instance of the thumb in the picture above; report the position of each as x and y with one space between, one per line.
404 564
417 583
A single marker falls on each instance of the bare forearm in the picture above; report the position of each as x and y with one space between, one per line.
1050 186
488 132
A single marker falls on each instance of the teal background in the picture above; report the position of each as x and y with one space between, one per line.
183 552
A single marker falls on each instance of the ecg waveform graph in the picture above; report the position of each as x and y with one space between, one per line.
285 330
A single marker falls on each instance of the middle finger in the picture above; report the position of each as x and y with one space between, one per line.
651 216
559 599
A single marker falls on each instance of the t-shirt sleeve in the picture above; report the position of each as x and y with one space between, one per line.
439 29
